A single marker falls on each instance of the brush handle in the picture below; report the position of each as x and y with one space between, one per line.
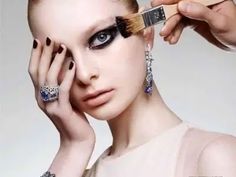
172 9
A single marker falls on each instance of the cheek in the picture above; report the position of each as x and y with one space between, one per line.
129 60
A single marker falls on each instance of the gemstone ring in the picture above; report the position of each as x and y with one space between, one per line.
49 93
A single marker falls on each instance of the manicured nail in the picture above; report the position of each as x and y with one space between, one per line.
48 41
60 49
71 65
35 44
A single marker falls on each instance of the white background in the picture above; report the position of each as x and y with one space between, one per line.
196 79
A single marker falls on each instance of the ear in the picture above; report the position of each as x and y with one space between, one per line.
148 33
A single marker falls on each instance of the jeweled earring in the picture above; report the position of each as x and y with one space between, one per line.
149 76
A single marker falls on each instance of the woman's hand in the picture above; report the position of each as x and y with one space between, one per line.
77 138
216 24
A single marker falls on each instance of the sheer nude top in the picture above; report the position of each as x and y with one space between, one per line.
173 153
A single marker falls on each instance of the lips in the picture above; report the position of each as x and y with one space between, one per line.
98 98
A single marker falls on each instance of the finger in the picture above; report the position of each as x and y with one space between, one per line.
66 84
177 33
170 25
167 38
40 102
34 62
200 12
33 69
160 2
52 77
45 61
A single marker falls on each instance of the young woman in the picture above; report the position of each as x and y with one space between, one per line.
81 64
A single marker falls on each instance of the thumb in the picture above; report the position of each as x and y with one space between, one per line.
197 11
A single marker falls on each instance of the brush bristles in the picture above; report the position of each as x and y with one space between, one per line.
130 24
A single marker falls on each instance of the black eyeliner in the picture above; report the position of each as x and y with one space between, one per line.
112 30
105 29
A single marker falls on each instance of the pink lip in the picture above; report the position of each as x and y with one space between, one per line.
98 98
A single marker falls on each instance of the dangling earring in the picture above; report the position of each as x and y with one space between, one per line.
149 76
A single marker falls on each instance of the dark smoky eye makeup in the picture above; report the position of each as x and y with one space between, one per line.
103 38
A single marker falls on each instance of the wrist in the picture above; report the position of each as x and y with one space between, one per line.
87 145
74 141
71 159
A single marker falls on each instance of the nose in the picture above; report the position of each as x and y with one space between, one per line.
86 71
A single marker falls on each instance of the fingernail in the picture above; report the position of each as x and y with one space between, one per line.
162 32
60 49
172 41
35 44
71 65
48 41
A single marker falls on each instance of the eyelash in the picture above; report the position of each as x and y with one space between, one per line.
110 31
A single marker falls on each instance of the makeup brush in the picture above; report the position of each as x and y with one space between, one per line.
133 23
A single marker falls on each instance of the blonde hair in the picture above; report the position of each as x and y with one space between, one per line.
132 5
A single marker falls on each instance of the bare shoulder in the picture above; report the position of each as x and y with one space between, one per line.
218 157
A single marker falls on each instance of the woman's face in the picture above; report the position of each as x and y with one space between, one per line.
103 58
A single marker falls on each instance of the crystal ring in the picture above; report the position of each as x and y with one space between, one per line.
48 174
49 93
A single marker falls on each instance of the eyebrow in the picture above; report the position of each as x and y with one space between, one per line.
99 25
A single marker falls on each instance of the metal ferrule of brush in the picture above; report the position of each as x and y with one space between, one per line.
153 16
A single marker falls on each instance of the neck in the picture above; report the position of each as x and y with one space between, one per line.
145 118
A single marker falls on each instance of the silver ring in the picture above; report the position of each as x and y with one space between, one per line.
49 93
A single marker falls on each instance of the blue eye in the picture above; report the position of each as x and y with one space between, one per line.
103 38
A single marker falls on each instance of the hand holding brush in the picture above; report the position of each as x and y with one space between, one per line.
217 24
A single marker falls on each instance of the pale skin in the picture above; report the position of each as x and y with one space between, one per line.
129 112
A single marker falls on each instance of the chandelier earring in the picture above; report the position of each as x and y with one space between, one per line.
149 75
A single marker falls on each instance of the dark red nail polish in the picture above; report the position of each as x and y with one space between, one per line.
35 44
48 41
60 50
71 65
